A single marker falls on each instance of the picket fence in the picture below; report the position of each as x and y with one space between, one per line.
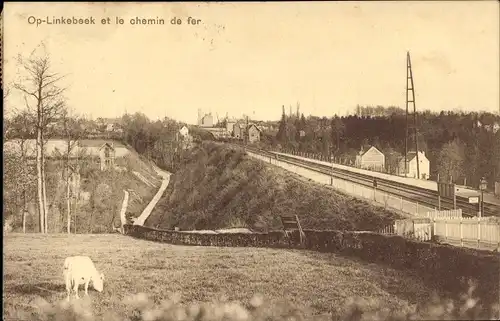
448 214
449 227
474 231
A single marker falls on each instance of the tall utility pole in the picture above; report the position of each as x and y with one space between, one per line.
410 87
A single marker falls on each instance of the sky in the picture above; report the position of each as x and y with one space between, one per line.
252 58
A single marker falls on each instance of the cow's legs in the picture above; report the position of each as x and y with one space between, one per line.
75 288
68 289
86 287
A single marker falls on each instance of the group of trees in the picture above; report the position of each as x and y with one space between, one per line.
462 147
44 104
44 114
159 140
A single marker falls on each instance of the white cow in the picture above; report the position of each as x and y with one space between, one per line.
81 270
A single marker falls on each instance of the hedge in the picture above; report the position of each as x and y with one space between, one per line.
446 267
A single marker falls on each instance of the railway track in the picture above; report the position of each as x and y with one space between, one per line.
407 192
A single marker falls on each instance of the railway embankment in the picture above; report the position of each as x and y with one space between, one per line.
219 186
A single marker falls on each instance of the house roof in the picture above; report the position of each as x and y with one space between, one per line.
253 125
366 148
411 155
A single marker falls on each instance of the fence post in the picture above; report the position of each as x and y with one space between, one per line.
498 245
478 232
401 203
433 228
445 231
461 233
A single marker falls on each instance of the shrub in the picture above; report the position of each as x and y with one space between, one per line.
141 308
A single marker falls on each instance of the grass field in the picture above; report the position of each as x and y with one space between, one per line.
317 282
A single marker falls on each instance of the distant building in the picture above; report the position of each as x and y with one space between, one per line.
253 133
218 132
370 158
184 131
230 126
106 156
411 169
114 127
186 140
206 120
239 130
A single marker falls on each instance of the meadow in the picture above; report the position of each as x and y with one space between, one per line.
318 284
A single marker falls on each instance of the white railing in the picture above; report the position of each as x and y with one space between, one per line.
475 232
448 227
449 214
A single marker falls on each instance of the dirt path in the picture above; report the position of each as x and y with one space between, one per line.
147 211
123 218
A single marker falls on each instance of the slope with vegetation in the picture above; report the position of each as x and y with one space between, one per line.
95 199
217 186
462 146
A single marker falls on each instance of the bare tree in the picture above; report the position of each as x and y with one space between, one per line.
19 131
43 98
73 131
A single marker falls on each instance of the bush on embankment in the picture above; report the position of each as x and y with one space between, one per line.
218 186
444 266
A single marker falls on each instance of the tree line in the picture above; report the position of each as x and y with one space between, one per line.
462 147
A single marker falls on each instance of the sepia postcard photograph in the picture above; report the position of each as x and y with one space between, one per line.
251 161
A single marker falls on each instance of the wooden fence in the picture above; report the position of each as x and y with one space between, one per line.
418 229
444 227
445 214
474 231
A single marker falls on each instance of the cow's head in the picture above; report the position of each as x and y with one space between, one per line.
99 282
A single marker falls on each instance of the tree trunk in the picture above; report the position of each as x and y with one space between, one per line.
41 207
25 209
44 192
68 201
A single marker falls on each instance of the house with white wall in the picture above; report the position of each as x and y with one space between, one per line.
370 158
411 168
184 131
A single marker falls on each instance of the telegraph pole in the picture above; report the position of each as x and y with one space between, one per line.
406 115
410 87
